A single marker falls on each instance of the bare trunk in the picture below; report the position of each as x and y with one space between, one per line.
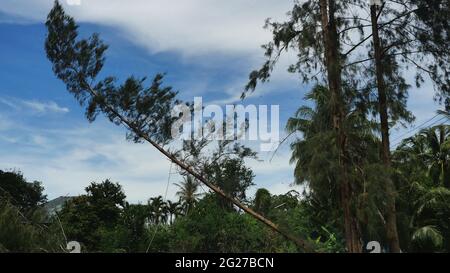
391 218
444 167
333 65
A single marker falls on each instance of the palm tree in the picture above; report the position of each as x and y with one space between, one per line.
431 147
316 157
314 153
430 225
158 210
424 164
174 210
188 193
314 125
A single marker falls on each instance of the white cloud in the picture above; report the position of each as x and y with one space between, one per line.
423 106
34 105
66 161
43 107
281 81
9 103
193 27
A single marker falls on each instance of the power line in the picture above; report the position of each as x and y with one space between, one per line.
419 127
414 128
165 198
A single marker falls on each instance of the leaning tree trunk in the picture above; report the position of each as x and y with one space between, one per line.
391 218
333 66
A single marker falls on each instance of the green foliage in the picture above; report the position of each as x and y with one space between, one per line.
134 218
231 175
222 163
212 228
317 165
302 215
427 239
157 210
21 228
188 193
108 224
17 191
431 149
21 219
16 234
262 202
421 169
174 209
86 218
107 199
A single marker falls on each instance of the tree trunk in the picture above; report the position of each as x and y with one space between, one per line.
444 164
391 218
333 65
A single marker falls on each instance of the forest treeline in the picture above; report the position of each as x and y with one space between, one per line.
359 60
200 221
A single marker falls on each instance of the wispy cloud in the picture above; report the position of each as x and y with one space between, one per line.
43 107
5 124
9 103
67 160
280 82
34 105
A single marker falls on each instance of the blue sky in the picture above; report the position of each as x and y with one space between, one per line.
207 48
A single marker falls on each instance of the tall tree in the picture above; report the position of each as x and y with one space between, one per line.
158 210
188 193
85 217
316 164
108 199
262 202
17 191
415 38
232 176
134 218
410 38
312 30
391 219
174 210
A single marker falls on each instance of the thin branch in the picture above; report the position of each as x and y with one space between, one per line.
357 45
358 62
353 27
381 26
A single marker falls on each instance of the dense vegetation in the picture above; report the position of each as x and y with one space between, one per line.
199 221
